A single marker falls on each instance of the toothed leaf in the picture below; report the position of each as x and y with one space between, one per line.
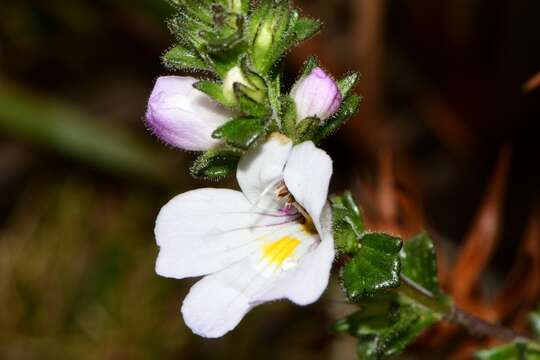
385 326
180 57
346 84
214 90
216 164
348 223
374 267
242 132
419 262
305 28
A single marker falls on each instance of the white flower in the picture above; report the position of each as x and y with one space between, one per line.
182 116
271 241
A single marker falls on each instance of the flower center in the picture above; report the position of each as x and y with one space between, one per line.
282 192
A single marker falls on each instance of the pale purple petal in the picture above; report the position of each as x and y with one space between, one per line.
316 95
182 116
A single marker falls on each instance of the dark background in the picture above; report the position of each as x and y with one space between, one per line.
446 140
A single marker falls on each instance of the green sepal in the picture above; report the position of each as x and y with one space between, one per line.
216 164
348 223
346 84
374 267
253 78
249 104
215 91
348 109
386 325
311 63
181 57
244 5
236 6
274 92
306 129
305 28
213 30
242 132
271 33
514 351
419 263
227 33
202 11
288 116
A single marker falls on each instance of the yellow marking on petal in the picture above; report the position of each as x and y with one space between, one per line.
280 250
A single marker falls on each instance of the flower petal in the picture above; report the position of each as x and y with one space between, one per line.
206 230
261 167
218 302
182 116
308 282
316 95
212 309
307 176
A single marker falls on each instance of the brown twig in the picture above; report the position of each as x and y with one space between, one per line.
455 315
479 327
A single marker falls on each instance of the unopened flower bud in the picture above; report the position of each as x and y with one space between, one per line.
316 95
182 116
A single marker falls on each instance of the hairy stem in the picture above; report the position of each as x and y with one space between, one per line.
453 314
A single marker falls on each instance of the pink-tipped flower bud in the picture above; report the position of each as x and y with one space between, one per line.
316 95
182 116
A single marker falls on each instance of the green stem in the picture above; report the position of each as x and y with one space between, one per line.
453 314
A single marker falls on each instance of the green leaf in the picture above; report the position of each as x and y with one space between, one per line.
348 223
242 132
385 326
374 315
180 57
514 351
419 263
305 28
347 83
348 108
375 267
216 164
215 91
